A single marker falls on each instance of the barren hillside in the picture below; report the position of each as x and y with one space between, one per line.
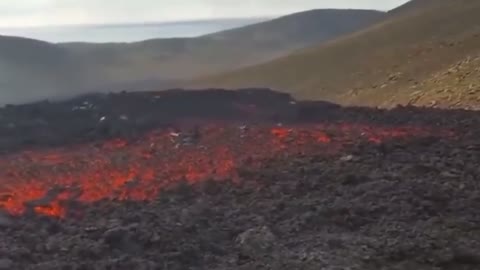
32 69
458 86
40 69
378 66
184 58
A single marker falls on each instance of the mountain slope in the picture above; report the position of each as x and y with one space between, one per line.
36 69
415 5
299 29
376 66
181 58
32 69
457 86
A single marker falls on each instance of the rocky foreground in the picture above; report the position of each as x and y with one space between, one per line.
398 202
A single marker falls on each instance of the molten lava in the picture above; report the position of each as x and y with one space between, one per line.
45 181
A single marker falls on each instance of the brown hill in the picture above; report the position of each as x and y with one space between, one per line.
378 66
184 58
458 86
414 5
32 69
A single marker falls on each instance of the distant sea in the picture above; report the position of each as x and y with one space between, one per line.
127 32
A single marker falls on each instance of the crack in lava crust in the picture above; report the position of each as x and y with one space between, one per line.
46 181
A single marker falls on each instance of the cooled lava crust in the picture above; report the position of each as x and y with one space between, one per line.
247 179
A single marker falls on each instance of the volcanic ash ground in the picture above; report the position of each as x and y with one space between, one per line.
236 180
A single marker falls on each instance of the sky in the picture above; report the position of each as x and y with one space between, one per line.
32 13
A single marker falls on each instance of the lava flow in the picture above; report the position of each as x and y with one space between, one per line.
45 181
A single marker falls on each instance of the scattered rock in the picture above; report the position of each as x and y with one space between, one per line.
347 158
256 242
116 237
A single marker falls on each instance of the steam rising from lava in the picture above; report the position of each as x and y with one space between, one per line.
48 181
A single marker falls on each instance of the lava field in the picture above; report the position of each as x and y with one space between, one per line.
247 179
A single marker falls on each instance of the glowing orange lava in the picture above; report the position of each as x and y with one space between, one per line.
138 170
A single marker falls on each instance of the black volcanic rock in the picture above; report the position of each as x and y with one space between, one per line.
102 116
300 217
407 204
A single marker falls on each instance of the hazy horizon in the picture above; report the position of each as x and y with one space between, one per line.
127 23
27 13
102 21
127 32
36 70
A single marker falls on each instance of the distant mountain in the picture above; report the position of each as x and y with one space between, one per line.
88 65
180 58
32 69
415 5
300 29
128 32
383 65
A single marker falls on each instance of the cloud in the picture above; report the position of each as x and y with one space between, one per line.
53 12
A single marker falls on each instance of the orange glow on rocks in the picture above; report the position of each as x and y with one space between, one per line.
47 180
